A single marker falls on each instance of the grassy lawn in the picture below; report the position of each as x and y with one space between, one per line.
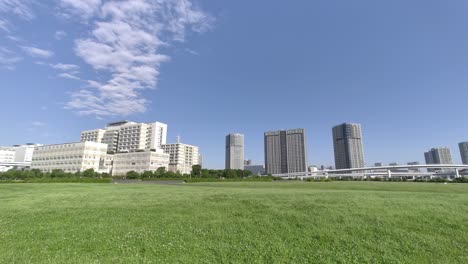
251 222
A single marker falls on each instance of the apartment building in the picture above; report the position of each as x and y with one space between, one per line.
181 157
285 151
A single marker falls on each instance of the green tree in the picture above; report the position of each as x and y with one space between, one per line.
147 175
229 174
196 171
160 172
89 173
132 175
58 174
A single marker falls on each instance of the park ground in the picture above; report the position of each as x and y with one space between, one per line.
247 222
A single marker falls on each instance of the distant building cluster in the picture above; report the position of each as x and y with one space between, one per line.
286 153
126 146
118 148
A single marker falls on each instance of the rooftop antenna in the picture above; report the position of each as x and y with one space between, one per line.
178 139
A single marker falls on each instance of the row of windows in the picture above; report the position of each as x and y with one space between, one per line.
64 157
44 164
55 146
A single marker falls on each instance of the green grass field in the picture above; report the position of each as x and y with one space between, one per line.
251 222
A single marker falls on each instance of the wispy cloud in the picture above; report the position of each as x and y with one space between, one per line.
14 38
38 124
4 25
125 42
36 52
192 52
82 8
65 67
60 34
22 8
8 58
69 76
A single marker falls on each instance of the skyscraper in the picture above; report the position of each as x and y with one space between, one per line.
438 156
285 151
235 152
464 151
347 145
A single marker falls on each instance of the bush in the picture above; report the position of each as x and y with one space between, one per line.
250 179
132 175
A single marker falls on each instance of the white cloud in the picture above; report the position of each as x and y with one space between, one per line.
125 42
69 76
60 34
192 52
38 124
4 25
21 8
65 67
8 59
83 8
14 38
36 52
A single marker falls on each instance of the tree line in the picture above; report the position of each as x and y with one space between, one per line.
160 173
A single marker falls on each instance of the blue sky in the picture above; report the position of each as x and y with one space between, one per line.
209 68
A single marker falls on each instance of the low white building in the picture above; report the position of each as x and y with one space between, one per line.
70 157
140 161
182 157
7 154
7 157
16 157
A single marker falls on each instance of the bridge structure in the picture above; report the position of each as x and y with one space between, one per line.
398 171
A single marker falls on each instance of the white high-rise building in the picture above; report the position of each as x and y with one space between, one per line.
71 157
235 152
182 157
139 161
126 136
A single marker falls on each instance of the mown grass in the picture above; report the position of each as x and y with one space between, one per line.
247 222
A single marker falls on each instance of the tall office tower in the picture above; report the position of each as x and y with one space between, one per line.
181 156
438 156
347 145
285 151
464 151
126 136
235 152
